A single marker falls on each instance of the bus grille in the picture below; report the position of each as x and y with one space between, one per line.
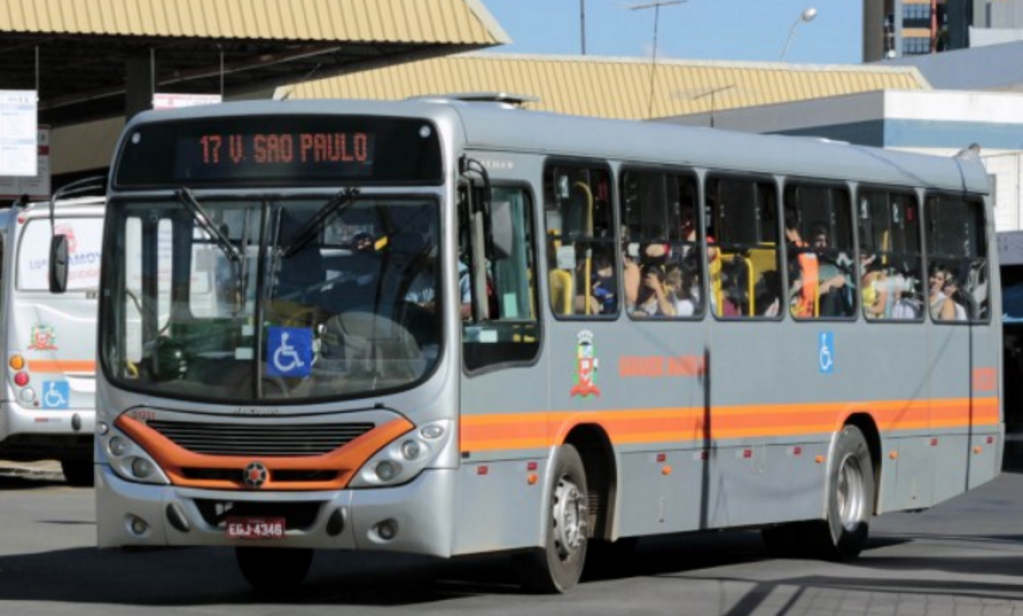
260 440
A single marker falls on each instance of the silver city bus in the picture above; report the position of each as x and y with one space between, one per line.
47 409
446 327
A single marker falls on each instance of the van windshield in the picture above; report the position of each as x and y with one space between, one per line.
215 299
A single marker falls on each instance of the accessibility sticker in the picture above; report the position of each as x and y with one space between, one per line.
289 351
56 395
826 353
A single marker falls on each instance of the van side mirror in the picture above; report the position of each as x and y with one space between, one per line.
58 264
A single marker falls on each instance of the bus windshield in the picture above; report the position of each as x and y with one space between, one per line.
259 299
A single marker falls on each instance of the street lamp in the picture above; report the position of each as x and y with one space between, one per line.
807 15
656 6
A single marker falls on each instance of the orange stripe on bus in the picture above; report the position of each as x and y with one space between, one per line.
62 365
541 430
344 461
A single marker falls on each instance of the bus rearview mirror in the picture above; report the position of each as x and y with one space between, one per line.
58 264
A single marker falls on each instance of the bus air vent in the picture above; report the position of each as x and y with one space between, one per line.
263 440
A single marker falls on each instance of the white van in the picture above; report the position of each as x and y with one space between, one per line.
47 403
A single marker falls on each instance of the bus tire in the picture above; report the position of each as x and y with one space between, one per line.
784 540
274 571
850 500
78 472
558 566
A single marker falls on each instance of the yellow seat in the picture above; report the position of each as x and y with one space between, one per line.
562 292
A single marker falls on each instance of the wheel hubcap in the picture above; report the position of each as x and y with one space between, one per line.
569 518
850 492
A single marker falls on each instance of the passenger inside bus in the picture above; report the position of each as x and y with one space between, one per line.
653 299
804 271
886 294
959 301
835 300
941 307
683 290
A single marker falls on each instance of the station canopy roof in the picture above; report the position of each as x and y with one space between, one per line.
616 87
217 46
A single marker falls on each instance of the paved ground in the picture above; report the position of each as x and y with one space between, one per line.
964 557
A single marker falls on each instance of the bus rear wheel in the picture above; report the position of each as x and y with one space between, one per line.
850 503
78 472
274 571
850 496
558 566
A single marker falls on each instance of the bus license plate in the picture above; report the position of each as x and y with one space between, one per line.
255 528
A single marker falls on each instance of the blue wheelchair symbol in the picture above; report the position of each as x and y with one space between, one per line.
826 353
56 395
289 351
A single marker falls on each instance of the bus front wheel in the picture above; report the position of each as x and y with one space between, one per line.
558 566
274 571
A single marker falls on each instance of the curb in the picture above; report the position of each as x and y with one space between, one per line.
47 468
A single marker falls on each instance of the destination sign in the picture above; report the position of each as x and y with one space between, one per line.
279 151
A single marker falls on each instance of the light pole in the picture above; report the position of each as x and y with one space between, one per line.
656 6
807 15
582 24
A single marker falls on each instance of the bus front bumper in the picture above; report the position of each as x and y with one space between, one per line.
415 518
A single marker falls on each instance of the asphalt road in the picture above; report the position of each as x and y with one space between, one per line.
963 557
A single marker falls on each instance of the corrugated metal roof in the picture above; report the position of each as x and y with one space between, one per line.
616 87
412 21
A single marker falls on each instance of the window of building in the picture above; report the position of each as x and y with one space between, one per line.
890 260
583 271
661 264
956 259
497 274
742 245
819 251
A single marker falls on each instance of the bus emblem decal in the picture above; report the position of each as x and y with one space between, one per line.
255 475
586 367
43 338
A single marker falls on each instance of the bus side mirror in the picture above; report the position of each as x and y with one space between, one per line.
58 264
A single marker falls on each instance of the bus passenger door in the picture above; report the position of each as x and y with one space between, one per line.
503 392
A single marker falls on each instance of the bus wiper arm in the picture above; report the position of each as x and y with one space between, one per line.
304 235
198 212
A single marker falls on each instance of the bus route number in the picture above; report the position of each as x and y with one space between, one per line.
286 148
255 528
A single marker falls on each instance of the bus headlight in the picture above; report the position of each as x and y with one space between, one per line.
128 460
405 458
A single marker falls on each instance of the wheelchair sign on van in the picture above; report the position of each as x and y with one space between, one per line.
289 351
56 395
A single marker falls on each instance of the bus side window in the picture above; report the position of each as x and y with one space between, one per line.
819 251
583 274
890 259
957 260
504 326
661 252
744 279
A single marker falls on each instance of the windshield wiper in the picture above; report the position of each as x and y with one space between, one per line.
204 221
311 228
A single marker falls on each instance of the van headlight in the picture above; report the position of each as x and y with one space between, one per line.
130 461
406 457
